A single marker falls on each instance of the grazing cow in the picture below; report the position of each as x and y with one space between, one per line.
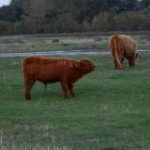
49 70
122 46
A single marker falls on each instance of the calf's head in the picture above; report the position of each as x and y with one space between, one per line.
85 65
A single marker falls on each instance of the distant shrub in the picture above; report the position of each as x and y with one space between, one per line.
55 41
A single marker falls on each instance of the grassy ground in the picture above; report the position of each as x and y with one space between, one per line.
111 110
48 42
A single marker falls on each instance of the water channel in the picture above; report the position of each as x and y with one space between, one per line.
61 53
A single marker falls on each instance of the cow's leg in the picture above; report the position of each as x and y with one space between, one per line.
116 64
64 87
28 83
122 61
70 86
130 62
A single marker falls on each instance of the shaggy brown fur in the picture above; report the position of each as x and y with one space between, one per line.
122 46
48 70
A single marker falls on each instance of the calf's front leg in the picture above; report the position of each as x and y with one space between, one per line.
27 89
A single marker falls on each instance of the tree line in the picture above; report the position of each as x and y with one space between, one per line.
66 16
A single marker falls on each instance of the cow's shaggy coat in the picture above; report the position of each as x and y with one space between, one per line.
122 46
49 70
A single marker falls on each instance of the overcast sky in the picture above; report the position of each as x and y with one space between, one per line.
4 2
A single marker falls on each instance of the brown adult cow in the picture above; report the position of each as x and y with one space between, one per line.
49 70
122 46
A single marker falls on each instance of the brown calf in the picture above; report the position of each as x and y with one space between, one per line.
50 70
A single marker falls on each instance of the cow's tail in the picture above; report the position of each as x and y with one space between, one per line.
115 47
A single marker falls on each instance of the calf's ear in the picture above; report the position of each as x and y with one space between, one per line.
77 64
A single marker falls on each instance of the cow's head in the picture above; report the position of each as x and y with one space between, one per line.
85 65
132 60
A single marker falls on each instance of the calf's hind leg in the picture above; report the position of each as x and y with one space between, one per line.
70 86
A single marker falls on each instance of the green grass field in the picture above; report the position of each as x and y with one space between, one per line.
86 41
111 110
